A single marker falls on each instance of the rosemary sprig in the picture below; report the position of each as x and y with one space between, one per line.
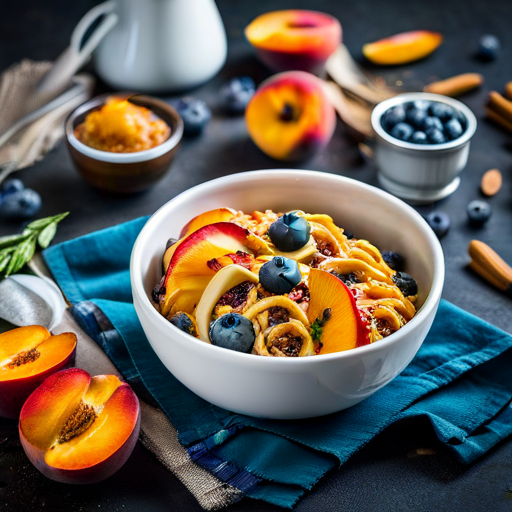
17 250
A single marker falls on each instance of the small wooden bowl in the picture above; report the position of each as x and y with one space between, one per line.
124 172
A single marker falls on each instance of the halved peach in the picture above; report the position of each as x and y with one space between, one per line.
294 39
189 273
402 48
290 117
342 328
78 429
27 356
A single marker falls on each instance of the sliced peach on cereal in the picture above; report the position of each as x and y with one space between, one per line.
191 268
402 48
27 356
333 314
78 429
209 217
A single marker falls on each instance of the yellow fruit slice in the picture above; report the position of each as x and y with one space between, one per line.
402 48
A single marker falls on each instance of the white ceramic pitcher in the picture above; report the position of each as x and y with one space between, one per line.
156 45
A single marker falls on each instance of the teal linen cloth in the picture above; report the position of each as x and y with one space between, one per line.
460 380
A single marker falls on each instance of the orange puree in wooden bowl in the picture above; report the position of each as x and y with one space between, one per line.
122 127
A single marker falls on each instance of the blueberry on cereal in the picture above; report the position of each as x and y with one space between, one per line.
280 275
289 232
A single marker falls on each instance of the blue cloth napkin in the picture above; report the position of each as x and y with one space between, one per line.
460 380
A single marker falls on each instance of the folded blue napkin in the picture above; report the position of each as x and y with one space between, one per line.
460 379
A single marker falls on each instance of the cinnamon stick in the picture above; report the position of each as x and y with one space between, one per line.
455 85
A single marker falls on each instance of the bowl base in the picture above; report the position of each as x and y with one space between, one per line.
418 196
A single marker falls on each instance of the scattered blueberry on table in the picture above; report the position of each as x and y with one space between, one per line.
236 94
479 212
439 222
488 47
424 122
18 202
233 331
289 232
280 275
195 114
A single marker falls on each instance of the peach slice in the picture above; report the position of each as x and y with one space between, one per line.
402 48
345 328
189 273
210 217
78 429
27 356
294 39
290 117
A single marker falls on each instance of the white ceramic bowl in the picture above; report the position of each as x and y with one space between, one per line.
285 388
421 173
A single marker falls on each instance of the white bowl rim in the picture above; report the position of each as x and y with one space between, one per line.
385 105
121 158
430 302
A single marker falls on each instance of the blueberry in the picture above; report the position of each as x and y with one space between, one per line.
406 284
235 95
442 111
439 222
195 114
402 131
347 278
289 232
421 104
419 138
394 260
280 275
435 136
11 186
22 204
432 123
479 212
392 117
488 47
416 117
233 331
453 129
183 321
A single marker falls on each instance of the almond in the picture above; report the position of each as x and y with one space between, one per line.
491 182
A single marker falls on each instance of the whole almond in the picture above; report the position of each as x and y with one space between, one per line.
491 182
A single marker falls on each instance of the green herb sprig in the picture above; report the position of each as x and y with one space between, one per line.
17 250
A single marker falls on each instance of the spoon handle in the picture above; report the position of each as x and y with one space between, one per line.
490 266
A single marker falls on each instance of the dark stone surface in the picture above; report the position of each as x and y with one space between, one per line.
388 474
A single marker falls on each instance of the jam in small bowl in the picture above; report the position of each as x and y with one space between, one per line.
123 143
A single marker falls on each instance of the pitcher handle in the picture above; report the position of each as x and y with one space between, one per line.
75 56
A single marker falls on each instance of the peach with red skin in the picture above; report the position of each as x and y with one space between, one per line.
188 272
80 429
346 328
294 39
290 117
28 355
